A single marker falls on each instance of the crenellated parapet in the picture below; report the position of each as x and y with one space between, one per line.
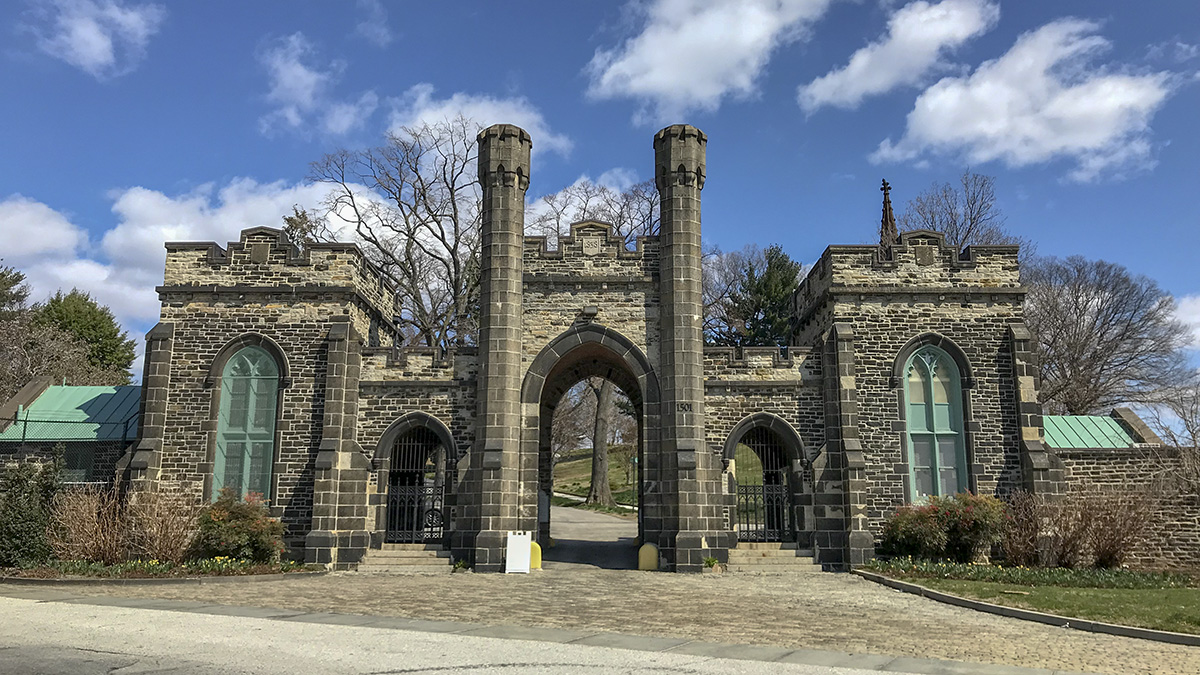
920 266
679 156
504 151
754 365
591 250
417 365
264 267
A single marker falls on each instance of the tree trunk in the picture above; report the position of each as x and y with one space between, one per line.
600 492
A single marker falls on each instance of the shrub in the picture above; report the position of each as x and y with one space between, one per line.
1068 529
26 492
235 528
1120 521
88 523
961 527
1022 528
973 523
161 526
914 531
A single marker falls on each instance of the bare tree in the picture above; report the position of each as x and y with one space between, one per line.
965 214
720 274
632 212
1175 416
573 415
30 349
414 202
303 228
1104 336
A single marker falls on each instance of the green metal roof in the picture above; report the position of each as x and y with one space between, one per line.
1085 431
68 413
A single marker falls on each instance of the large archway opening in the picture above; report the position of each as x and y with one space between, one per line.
568 534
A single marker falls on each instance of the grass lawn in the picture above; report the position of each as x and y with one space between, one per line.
610 510
574 477
1173 609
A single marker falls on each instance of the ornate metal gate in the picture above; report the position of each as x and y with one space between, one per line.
763 496
416 488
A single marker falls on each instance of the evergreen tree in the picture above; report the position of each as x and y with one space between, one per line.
109 347
13 292
759 310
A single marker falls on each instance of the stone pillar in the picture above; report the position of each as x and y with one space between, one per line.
1042 471
495 468
339 536
842 539
146 459
685 518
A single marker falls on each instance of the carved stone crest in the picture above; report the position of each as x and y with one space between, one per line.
591 245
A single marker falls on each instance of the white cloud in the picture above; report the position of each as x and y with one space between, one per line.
418 105
374 26
104 38
919 34
122 269
1039 102
342 118
30 230
692 54
1187 310
300 91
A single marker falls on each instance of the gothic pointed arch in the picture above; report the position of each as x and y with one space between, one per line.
792 443
932 340
226 352
590 336
407 422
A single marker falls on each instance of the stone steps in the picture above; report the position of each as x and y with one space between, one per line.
406 559
771 558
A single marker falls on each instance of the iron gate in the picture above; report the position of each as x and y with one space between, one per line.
763 495
416 489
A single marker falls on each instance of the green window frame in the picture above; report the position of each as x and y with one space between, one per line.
246 423
934 425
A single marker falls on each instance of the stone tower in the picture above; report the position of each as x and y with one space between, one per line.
689 522
495 468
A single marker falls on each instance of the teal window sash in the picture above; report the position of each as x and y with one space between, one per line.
246 423
934 423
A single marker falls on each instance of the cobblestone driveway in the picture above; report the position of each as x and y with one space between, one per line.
817 611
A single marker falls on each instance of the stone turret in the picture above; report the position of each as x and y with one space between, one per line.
689 524
494 469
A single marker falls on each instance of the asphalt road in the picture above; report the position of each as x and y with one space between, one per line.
590 539
55 638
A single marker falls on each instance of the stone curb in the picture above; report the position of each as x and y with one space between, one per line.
159 581
1030 615
814 657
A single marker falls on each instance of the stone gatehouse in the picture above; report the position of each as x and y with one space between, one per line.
276 370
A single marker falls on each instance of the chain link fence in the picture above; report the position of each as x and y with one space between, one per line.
89 449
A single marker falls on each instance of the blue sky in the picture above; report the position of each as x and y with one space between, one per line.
127 123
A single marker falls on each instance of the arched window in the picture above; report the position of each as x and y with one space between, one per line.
246 423
937 453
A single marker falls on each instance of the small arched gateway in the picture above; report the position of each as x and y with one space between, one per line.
767 457
417 451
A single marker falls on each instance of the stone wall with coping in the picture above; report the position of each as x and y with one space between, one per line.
1173 538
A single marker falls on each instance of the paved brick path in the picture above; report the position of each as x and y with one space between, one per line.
816 611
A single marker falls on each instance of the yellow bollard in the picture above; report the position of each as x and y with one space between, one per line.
648 557
535 556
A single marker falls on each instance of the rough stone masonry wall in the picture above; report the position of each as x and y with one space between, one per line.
592 267
416 380
890 297
1173 538
761 379
255 286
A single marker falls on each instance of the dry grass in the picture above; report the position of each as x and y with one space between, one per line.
161 526
88 524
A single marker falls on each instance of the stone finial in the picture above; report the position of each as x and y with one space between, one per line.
888 235
504 156
679 156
